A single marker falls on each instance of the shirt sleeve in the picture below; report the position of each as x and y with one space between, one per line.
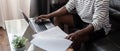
101 14
70 5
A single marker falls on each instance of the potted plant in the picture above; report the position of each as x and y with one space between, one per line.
19 43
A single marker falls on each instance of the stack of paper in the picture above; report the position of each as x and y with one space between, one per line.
52 40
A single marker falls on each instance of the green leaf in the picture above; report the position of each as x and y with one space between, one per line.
19 42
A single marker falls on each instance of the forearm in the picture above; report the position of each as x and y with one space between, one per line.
81 35
59 12
87 30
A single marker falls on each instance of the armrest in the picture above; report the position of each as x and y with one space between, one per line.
102 45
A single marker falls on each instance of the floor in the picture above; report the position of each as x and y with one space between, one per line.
4 45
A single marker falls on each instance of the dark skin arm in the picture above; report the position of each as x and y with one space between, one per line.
60 12
81 35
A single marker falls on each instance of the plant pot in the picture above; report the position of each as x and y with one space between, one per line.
20 49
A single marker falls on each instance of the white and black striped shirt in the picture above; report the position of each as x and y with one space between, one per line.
95 12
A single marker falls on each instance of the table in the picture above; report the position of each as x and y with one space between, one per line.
20 27
15 27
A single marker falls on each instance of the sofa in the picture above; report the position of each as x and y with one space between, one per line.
112 41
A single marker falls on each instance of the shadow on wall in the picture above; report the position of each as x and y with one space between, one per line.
38 7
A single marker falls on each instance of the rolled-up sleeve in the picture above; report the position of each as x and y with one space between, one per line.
70 5
101 14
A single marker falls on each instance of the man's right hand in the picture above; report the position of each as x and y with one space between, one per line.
42 17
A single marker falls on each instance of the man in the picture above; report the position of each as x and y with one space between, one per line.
92 20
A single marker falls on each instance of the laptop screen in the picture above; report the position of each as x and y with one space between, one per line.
26 18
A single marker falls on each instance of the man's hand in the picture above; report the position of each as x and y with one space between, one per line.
78 36
42 17
81 35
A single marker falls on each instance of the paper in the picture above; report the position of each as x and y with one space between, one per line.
51 40
55 32
51 44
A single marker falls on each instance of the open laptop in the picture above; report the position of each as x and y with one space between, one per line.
37 27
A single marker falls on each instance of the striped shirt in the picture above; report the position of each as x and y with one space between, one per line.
95 12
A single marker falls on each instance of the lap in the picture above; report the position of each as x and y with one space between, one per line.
66 19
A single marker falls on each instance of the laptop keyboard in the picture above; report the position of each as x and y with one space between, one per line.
41 27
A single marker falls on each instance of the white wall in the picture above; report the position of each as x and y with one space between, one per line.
1 18
10 9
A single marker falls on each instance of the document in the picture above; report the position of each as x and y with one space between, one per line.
54 32
52 39
51 44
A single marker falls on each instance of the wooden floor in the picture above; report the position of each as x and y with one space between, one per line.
4 45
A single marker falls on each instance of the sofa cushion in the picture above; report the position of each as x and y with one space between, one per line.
101 45
114 11
115 4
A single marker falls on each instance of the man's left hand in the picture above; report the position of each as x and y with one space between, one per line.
79 35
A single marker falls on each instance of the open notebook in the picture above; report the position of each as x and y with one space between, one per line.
51 40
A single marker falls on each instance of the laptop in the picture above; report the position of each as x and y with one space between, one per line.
37 27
